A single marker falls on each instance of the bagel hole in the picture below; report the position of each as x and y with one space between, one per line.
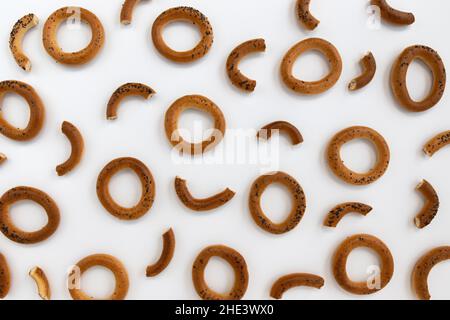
219 275
439 281
276 202
419 80
125 188
360 264
73 35
28 216
193 125
181 35
15 110
359 155
98 282
310 66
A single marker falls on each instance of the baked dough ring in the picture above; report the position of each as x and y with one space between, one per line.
437 143
369 67
236 261
337 165
190 15
340 262
5 277
338 212
72 58
109 262
283 126
311 87
42 283
398 77
76 141
18 32
235 75
392 15
27 193
298 202
200 103
431 206
166 255
128 89
147 185
205 204
126 14
304 15
289 281
37 111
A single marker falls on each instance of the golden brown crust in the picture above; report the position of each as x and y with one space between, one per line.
126 14
27 193
76 141
431 206
238 53
289 281
437 143
42 283
340 262
107 261
200 103
311 87
50 40
304 15
337 165
283 126
147 185
126 90
37 111
3 158
183 14
197 204
298 202
5 277
398 77
369 67
21 27
166 255
392 15
236 261
338 212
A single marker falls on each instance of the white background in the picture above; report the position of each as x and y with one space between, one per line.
80 95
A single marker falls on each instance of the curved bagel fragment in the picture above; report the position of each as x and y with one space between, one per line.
21 27
304 15
283 126
437 143
3 158
338 212
295 280
42 284
166 255
369 67
423 267
205 204
431 206
235 75
76 141
126 14
128 89
5 277
392 15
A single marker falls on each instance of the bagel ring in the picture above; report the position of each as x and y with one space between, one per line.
298 202
107 261
340 262
183 14
337 165
311 87
147 185
27 193
37 111
236 261
200 103
398 77
50 40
